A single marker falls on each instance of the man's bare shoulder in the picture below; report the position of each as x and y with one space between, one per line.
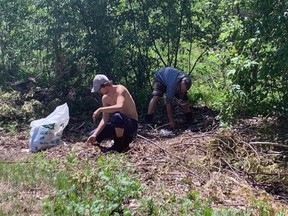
121 89
105 99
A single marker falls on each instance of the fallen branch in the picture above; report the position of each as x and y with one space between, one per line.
150 141
80 126
264 173
15 162
268 143
161 126
254 150
180 159
157 128
232 168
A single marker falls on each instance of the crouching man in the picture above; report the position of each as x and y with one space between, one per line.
174 83
119 115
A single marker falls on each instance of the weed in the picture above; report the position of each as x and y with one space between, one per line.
101 190
78 187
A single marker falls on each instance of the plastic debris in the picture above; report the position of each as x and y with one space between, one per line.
166 133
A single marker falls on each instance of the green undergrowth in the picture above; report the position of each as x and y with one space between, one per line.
17 107
109 185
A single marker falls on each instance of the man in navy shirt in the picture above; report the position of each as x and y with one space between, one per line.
174 83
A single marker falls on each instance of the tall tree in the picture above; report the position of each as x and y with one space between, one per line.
261 63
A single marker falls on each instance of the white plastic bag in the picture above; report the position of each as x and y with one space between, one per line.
47 132
166 133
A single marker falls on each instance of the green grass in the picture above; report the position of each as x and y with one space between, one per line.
107 186
95 190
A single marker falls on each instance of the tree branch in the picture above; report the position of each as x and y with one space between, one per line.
199 57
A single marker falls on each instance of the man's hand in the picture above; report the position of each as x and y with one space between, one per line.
95 115
91 139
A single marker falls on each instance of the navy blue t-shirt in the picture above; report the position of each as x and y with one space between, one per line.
169 77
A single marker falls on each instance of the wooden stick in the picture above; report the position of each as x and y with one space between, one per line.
15 162
263 173
268 143
80 126
150 141
180 159
161 126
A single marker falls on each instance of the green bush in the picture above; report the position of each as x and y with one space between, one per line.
100 190
16 107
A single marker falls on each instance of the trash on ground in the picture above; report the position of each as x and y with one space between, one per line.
47 132
166 133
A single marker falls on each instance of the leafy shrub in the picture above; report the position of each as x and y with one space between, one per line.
16 107
100 190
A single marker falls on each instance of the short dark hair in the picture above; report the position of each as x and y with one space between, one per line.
187 81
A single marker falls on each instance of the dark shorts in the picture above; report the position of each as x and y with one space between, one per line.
159 90
118 120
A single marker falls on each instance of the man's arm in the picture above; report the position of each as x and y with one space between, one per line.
119 103
170 115
186 107
102 123
170 91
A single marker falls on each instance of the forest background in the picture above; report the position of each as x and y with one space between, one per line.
236 52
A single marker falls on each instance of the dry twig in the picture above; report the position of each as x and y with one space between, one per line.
268 143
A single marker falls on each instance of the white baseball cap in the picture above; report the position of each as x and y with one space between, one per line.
98 80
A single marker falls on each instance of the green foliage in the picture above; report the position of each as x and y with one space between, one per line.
81 187
264 209
236 50
17 108
191 204
25 177
64 43
32 174
258 59
100 190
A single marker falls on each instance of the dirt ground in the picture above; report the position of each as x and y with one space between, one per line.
181 163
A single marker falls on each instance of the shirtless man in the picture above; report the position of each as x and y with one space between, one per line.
122 125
